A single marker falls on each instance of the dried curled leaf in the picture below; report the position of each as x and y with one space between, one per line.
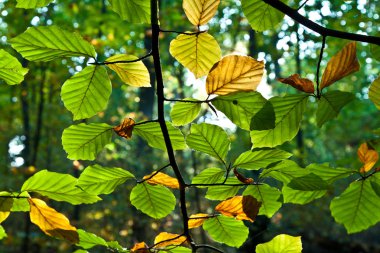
125 128
240 207
162 179
165 239
197 220
340 65
140 247
242 178
199 12
367 156
301 84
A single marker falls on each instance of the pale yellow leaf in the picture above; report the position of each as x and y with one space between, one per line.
199 12
197 220
162 179
51 222
3 216
198 53
140 247
241 207
234 73
301 84
340 65
132 73
125 129
166 239
368 157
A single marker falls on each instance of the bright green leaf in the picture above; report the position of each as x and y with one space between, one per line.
81 251
32 4
86 141
45 43
226 230
87 92
281 244
154 200
268 196
374 92
222 192
3 234
177 249
329 174
284 171
264 119
116 246
257 159
184 113
88 240
11 71
309 182
209 176
301 197
134 11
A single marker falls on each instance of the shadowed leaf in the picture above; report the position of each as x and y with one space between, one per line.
374 92
240 207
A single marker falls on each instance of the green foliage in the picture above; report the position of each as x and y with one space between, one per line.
260 158
184 113
88 240
16 204
222 192
281 244
11 71
209 176
31 4
268 196
3 234
374 93
134 11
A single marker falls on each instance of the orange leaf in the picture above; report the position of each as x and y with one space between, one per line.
162 179
197 220
140 247
51 222
301 84
367 156
340 65
166 239
241 207
242 178
125 129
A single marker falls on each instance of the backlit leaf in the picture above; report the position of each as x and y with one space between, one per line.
340 65
88 240
11 71
301 84
261 158
132 73
199 12
31 4
309 182
267 195
45 43
134 11
164 239
281 244
154 200
264 119
374 92
198 52
162 179
125 128
284 171
197 220
52 222
4 216
19 203
240 207
222 192
301 197
177 249
209 176
226 230
3 234
140 247
234 73
368 157
184 113
84 142
87 92
329 174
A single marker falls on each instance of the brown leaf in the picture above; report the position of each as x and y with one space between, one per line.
367 156
241 207
340 65
197 220
242 178
301 84
162 179
140 247
199 12
234 73
125 129
165 239
51 222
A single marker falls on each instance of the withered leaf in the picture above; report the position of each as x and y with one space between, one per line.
368 157
242 178
301 84
125 128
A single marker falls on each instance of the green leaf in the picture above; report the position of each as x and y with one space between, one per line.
17 204
209 139
116 246
184 113
11 71
134 11
209 176
45 43
375 51
151 132
224 191
309 182
3 234
81 251
240 107
86 141
5 203
289 111
257 159
264 119
300 197
58 186
357 208
281 244
88 240
268 196
328 174
330 105
376 187
87 92
32 4
154 200
226 230
102 180
374 92
261 16
285 171
177 249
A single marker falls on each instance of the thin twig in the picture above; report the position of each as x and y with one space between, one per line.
145 122
129 61
319 65
167 240
302 5
185 33
188 101
155 173
222 184
208 247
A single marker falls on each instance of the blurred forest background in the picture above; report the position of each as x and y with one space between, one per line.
33 117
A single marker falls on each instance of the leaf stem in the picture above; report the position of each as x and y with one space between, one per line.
188 101
129 61
185 33
319 65
145 122
155 173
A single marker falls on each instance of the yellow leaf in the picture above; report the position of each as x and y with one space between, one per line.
3 216
367 156
51 222
162 179
166 239
132 73
125 129
234 73
301 84
198 53
197 220
340 65
199 12
241 207
140 247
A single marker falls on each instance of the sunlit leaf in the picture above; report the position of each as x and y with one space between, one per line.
199 12
226 230
340 65
32 4
45 43
281 244
125 128
132 73
198 52
87 92
52 222
96 179
134 11
58 186
197 220
154 200
368 157
88 240
184 113
140 247
301 84
374 92
240 207
3 234
291 195
11 71
4 216
162 179
261 158
209 176
84 142
222 192
177 249
268 196
234 73
164 239
114 245
284 171
19 203
329 174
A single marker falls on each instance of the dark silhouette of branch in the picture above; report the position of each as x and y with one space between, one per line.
319 65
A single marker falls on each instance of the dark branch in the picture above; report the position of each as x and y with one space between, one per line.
208 247
145 122
187 101
185 33
319 65
155 173
129 61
